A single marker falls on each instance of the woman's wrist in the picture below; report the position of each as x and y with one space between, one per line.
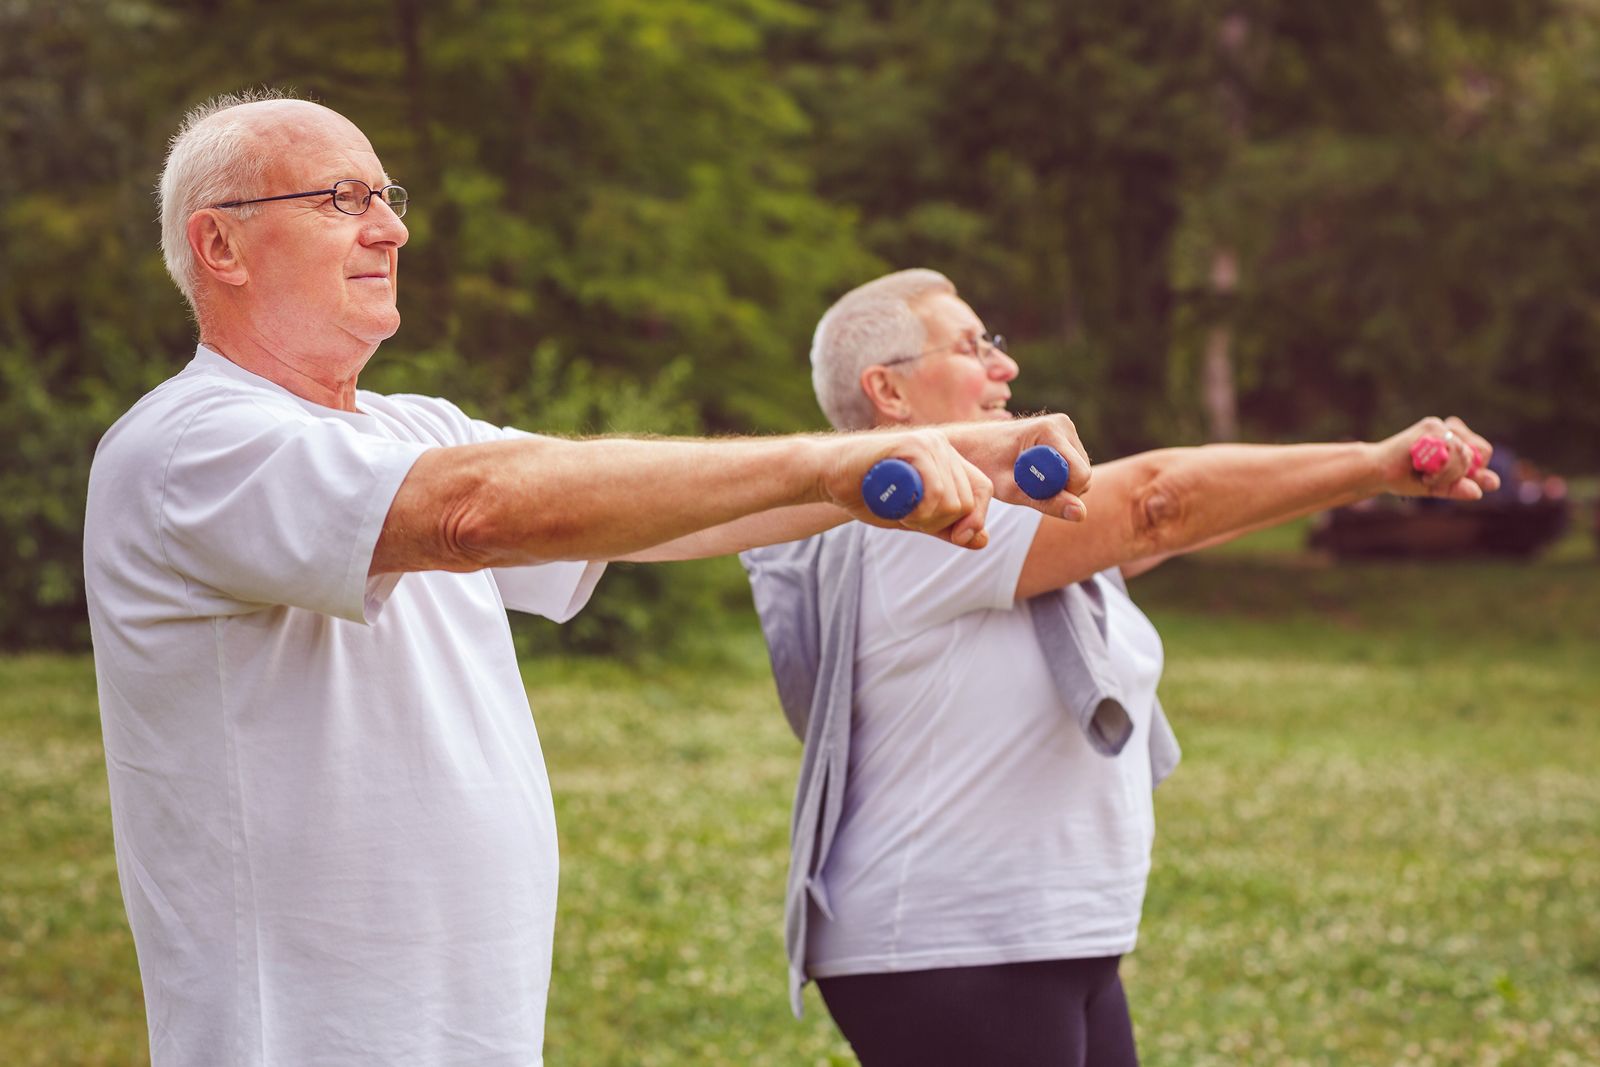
1391 459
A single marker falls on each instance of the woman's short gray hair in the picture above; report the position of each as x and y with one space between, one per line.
212 158
870 324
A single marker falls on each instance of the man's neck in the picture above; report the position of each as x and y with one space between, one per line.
330 382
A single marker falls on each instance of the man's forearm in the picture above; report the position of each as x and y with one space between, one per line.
539 499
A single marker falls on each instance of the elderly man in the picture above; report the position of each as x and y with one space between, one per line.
333 826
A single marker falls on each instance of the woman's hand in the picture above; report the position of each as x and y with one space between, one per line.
995 446
1465 474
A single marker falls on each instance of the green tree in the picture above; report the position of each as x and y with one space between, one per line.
614 229
1379 171
1038 153
1433 253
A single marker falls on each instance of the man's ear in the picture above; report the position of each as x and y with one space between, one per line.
214 240
883 390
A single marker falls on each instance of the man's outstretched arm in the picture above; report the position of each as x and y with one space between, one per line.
537 499
993 449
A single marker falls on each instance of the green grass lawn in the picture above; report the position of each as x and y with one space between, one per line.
1383 846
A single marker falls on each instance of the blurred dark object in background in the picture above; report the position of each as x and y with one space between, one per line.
1528 512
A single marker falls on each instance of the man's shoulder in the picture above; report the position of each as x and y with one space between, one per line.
131 460
165 411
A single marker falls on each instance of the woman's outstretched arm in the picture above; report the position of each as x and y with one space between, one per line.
1159 504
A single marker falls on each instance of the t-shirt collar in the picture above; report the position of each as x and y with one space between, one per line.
209 361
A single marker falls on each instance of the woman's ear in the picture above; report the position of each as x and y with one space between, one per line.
885 392
214 240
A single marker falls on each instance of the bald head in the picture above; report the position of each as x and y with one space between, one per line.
232 148
277 127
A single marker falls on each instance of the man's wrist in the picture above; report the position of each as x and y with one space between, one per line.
979 444
812 459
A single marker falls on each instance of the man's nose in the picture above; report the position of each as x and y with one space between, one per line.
383 225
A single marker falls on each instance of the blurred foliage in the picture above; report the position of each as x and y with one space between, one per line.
615 230
1409 183
629 213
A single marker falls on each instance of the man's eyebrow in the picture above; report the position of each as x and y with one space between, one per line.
327 183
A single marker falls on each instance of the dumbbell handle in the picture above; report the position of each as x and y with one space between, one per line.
892 489
1429 454
1041 472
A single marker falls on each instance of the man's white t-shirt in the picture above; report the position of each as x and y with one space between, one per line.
979 827
333 827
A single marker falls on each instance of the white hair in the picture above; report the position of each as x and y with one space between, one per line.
870 324
212 158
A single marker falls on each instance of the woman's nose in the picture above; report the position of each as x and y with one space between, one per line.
1002 368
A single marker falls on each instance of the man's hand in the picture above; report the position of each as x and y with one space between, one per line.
955 494
962 466
1464 475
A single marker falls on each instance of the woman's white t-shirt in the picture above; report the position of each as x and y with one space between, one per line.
979 827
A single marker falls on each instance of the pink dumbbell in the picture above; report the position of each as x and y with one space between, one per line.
1430 454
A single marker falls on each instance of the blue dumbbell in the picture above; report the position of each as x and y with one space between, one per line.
1041 472
892 489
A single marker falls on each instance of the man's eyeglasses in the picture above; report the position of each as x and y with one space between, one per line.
986 349
351 196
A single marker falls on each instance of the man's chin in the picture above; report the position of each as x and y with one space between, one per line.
380 327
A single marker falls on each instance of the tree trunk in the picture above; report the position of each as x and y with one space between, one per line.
436 310
1217 392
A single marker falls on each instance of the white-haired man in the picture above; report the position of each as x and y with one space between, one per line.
333 826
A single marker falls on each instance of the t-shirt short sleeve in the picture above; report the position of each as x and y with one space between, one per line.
264 504
432 418
555 590
558 590
924 582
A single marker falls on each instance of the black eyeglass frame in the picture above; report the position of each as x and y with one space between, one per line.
984 343
334 192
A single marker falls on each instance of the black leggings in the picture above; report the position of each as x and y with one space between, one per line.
1055 1013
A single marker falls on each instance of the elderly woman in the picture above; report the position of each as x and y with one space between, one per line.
973 822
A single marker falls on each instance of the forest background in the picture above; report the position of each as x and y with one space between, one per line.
1261 220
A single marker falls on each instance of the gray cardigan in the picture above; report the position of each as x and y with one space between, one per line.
799 584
